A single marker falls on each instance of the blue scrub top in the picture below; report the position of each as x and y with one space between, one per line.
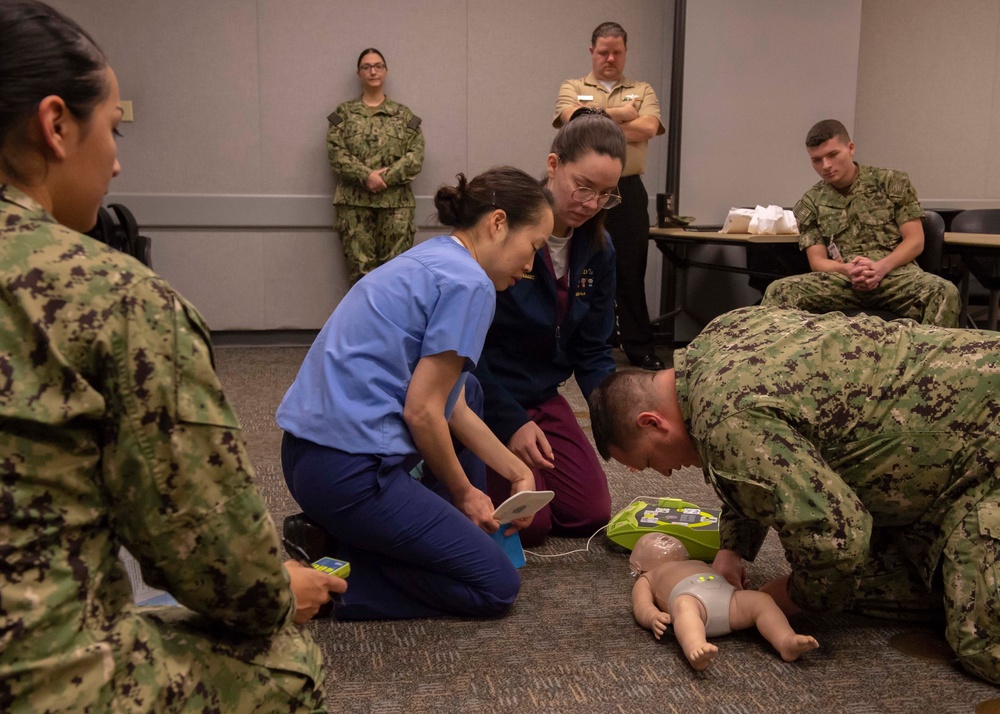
350 390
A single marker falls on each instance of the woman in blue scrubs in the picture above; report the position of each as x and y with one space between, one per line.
372 418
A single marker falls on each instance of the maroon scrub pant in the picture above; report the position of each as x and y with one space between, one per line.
582 503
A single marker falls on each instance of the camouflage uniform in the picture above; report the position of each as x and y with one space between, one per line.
866 223
871 447
374 227
115 432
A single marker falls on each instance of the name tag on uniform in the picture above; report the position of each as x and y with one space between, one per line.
584 97
834 252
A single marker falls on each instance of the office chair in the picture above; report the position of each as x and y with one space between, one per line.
983 263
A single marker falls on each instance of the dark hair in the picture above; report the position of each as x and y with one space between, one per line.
613 403
590 130
42 53
609 29
516 193
825 130
369 51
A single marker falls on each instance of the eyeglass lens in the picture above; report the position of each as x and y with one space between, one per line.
604 200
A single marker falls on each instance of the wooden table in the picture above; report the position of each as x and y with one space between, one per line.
978 240
697 236
955 242
674 244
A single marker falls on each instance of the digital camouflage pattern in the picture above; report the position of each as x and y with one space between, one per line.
871 447
373 236
362 139
115 431
865 222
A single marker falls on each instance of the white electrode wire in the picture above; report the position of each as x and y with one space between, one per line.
586 549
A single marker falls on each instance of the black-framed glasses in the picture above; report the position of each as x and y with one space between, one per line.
582 194
378 67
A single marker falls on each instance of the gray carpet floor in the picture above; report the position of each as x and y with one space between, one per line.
570 643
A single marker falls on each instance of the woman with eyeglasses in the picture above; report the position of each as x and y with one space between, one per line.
376 149
555 324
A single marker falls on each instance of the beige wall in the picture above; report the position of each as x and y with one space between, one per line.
928 88
757 76
225 164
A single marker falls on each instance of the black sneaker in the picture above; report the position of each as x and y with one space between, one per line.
306 541
652 363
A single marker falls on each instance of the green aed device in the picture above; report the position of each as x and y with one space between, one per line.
697 528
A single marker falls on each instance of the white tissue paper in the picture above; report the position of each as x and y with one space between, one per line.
772 221
738 220
769 221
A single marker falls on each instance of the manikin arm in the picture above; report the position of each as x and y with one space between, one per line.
646 613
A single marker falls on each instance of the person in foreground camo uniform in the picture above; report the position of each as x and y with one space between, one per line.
114 431
871 447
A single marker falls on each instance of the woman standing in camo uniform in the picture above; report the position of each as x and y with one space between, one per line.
376 149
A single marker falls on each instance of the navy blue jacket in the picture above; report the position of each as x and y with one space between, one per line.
528 355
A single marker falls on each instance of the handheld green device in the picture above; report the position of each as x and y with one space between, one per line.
697 528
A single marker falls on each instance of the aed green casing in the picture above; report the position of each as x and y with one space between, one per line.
697 528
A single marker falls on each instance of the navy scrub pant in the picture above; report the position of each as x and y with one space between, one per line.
412 553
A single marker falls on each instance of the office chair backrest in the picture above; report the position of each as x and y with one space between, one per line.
118 228
980 220
930 259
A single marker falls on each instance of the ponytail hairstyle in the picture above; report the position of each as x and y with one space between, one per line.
43 53
503 187
590 130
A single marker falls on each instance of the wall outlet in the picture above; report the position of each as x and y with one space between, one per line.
127 110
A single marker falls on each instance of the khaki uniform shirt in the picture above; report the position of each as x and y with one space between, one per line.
589 92
865 221
113 431
830 429
361 139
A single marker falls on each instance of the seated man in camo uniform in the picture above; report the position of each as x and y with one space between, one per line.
861 231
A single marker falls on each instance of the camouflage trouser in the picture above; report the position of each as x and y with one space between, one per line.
373 236
968 603
208 673
891 587
971 580
907 291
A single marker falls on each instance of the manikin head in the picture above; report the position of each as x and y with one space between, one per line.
655 549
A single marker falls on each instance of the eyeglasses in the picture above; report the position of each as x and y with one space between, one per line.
582 194
378 67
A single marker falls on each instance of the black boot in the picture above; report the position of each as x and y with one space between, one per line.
306 541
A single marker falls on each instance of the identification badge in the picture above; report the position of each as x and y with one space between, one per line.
834 252
584 97
630 97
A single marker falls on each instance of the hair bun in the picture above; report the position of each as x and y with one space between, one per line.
450 201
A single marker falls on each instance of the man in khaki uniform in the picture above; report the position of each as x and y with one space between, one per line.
861 231
634 106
